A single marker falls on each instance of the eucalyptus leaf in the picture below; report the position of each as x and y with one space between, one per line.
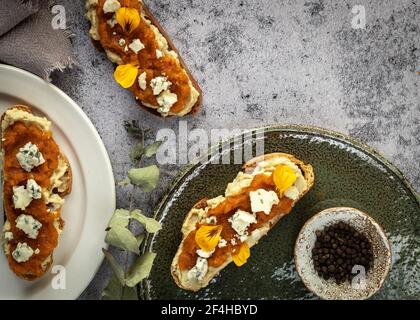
122 238
137 152
115 266
124 182
150 224
120 218
140 238
146 178
140 269
129 293
132 127
151 149
113 290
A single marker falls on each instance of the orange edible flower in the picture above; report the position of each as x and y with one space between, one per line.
241 255
207 237
125 75
128 18
283 177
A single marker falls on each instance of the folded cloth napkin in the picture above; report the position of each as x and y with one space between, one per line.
28 39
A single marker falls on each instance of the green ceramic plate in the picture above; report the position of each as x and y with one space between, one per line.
346 174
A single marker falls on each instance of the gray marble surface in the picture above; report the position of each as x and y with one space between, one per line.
268 61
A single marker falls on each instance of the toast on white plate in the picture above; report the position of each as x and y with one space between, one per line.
36 176
223 229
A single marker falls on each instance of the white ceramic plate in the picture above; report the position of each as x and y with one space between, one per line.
87 209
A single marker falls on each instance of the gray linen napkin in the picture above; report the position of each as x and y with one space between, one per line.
28 40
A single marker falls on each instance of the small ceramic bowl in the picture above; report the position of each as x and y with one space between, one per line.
362 286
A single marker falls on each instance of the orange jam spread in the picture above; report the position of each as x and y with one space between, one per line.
146 58
223 212
15 137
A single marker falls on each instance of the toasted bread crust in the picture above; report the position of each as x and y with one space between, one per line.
308 175
68 174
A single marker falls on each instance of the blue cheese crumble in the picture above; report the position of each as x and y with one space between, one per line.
22 253
29 225
29 157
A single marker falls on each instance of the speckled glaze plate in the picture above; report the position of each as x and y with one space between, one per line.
347 173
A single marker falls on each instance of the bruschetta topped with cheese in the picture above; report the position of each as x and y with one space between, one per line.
148 62
36 177
220 230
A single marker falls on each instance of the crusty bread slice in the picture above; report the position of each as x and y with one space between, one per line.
193 217
92 16
65 189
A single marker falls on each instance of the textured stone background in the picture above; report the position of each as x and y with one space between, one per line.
269 61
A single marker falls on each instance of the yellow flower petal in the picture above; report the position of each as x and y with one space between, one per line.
283 177
125 75
128 18
241 256
207 237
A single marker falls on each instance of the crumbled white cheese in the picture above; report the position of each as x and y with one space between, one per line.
54 202
136 45
199 270
166 100
125 48
142 81
22 196
37 251
8 236
211 220
22 253
159 54
241 181
233 242
301 183
29 157
121 42
159 84
29 225
33 189
112 22
292 193
213 203
222 243
111 6
262 200
204 254
240 222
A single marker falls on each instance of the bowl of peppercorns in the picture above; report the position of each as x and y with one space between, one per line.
342 254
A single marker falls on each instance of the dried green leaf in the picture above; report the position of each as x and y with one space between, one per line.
124 182
129 293
120 218
137 152
140 269
132 127
115 266
122 238
150 224
146 178
151 149
140 238
113 290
